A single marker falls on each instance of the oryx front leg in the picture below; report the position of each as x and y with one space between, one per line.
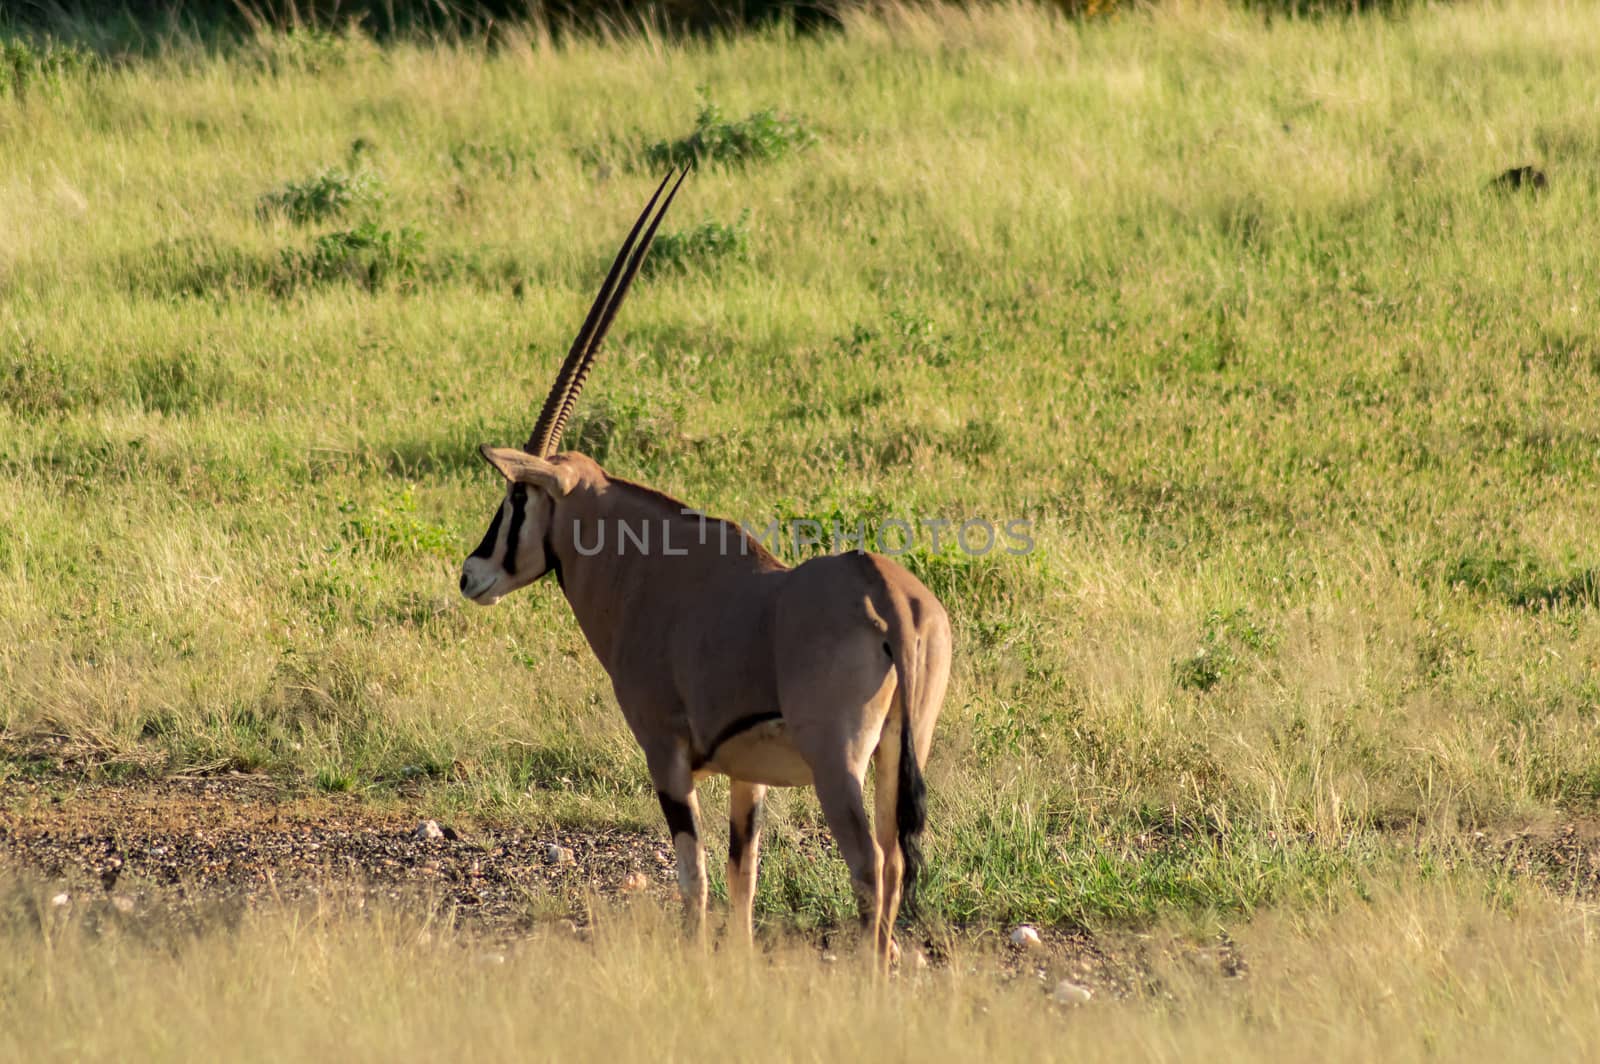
675 789
744 854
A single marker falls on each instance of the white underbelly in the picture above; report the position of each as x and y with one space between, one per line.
761 754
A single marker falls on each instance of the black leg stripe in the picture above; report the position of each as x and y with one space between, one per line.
739 835
680 818
752 820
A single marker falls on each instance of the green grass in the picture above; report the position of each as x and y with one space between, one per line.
1300 408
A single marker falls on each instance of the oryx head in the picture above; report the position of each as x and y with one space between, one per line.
516 549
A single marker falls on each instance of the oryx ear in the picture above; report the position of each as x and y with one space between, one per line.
520 467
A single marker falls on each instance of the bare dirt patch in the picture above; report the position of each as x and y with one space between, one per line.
178 846
1563 855
184 841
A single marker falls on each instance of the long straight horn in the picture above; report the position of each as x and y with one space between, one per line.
575 370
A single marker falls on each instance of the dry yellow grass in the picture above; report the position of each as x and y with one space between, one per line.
1420 971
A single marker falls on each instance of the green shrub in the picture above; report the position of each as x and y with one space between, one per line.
367 255
1227 637
309 49
1514 575
324 195
761 137
701 246
394 531
27 66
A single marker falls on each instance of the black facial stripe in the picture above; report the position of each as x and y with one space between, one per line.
680 818
519 510
552 561
486 548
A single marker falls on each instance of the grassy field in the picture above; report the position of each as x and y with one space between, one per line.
1300 408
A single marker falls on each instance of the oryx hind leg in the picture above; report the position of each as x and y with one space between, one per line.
744 855
840 794
836 712
674 781
885 795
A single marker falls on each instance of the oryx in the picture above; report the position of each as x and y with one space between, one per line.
723 659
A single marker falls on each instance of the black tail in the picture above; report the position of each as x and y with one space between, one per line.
911 810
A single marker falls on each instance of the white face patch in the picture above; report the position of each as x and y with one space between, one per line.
511 554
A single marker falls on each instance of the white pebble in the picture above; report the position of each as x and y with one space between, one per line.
1026 936
428 829
122 902
61 899
1069 993
559 855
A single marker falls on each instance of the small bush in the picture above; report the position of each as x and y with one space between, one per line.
324 195
905 336
1205 668
978 587
1515 576
1226 639
394 531
332 779
367 254
761 137
27 66
701 246
38 382
309 49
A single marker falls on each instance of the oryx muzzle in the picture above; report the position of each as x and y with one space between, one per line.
724 660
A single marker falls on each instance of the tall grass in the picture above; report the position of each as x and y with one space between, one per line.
1422 972
1298 404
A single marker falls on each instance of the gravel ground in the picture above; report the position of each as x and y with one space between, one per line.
185 841
181 846
185 847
